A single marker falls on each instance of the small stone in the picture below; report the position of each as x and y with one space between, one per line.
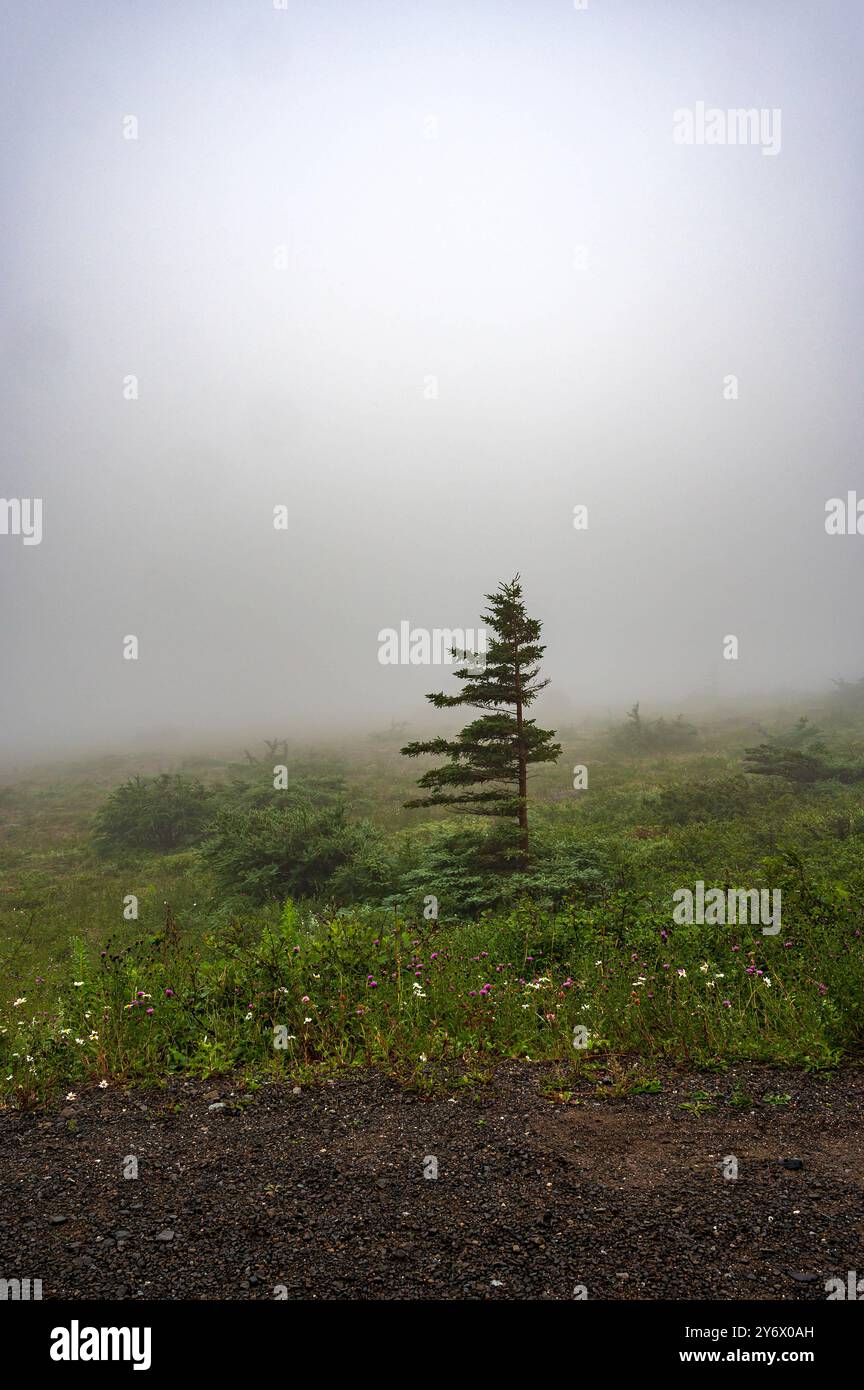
57 1220
793 1164
165 1236
220 1105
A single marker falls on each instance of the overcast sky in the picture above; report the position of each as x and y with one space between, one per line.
429 273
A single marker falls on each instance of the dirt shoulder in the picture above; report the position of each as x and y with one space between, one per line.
321 1194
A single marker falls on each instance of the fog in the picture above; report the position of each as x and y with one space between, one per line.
429 276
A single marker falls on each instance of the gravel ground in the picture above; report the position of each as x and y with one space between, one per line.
321 1193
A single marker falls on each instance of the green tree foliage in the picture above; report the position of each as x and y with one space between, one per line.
801 756
493 753
804 768
153 813
461 866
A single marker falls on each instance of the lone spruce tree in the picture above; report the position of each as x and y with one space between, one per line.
493 752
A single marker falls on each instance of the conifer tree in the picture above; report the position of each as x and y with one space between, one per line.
487 768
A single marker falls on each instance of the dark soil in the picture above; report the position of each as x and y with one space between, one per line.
321 1194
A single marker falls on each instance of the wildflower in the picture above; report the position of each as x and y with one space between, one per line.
149 1011
305 999
682 972
766 981
423 1057
246 1017
727 1003
72 1096
169 993
77 983
18 1002
704 967
307 1020
102 1085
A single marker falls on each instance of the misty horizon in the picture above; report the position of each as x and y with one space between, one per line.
428 279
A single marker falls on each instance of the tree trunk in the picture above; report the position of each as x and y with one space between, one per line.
523 767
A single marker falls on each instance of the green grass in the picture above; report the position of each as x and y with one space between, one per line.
88 996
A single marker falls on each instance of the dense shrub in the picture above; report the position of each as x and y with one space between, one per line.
153 813
643 736
294 850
